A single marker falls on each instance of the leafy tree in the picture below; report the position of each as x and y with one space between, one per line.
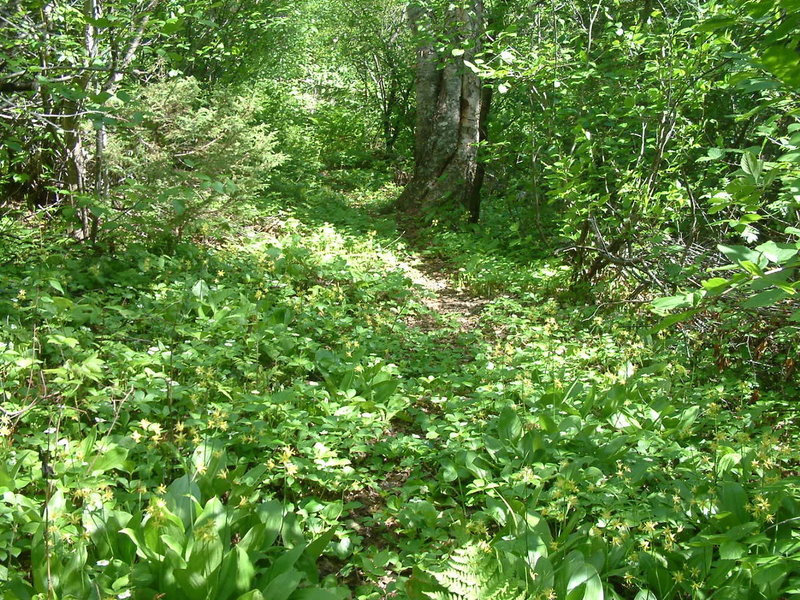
374 42
60 64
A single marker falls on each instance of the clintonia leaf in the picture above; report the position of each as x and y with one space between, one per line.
584 583
111 458
509 426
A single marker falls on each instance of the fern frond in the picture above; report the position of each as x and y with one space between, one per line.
473 573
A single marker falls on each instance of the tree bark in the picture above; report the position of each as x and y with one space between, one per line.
474 199
448 123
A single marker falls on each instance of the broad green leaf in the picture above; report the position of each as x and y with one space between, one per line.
671 320
752 165
236 573
784 63
475 464
177 545
200 290
193 582
285 562
766 298
716 23
182 496
7 482
271 514
731 551
213 518
715 285
209 457
792 157
171 26
754 269
663 305
218 187
61 340
383 390
739 254
733 500
179 205
472 67
776 252
584 583
283 584
509 426
779 278
316 547
142 549
111 458
449 471
728 461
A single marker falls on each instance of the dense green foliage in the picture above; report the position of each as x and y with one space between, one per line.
229 371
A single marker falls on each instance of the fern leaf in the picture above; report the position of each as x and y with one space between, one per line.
473 573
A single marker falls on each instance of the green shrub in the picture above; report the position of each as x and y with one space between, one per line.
188 157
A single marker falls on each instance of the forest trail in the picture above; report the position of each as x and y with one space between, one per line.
441 295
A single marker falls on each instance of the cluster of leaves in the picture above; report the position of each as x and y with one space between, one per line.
652 134
141 117
180 421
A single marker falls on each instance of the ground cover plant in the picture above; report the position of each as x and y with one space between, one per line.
285 413
425 300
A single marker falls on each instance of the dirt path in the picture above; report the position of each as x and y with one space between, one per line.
440 295
443 298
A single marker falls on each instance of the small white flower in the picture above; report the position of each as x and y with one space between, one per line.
125 594
255 392
50 430
152 350
229 344
63 442
102 563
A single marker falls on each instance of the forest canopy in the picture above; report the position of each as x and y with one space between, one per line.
348 299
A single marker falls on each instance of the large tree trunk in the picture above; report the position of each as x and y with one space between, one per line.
448 124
